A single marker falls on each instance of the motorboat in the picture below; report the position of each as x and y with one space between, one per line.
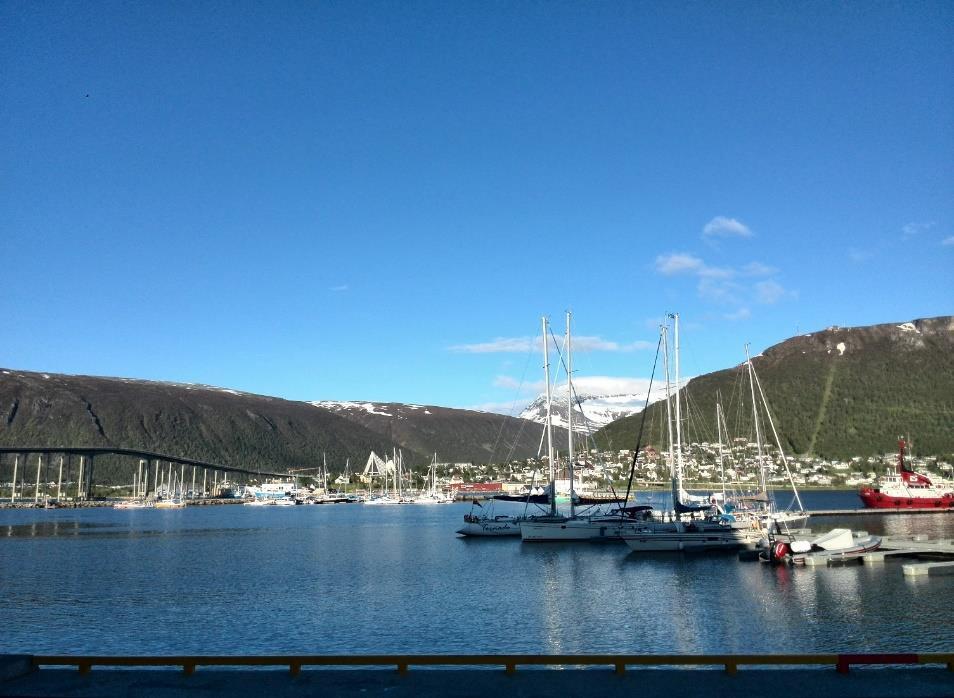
836 544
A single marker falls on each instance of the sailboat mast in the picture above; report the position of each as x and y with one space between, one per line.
755 418
778 441
719 430
569 410
679 465
546 376
672 452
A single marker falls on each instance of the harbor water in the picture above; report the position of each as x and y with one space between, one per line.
349 578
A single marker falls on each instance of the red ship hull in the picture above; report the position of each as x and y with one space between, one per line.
873 499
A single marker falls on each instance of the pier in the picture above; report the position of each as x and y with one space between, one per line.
529 676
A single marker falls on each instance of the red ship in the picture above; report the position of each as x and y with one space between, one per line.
906 490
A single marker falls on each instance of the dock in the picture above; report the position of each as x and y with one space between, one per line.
527 676
928 569
879 512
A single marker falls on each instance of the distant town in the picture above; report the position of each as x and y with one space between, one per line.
738 465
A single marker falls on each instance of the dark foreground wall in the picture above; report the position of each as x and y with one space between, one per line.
528 683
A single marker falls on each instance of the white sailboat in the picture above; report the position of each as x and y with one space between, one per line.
770 517
555 527
432 495
695 523
488 523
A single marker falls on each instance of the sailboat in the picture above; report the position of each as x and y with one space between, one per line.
695 523
555 527
768 515
432 495
487 523
174 500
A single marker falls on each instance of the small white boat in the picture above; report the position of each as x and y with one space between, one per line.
836 544
490 526
134 504
382 500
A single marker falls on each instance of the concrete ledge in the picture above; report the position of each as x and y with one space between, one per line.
13 666
932 569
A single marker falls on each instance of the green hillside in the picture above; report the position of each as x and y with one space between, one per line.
837 393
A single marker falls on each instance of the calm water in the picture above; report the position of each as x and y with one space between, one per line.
351 578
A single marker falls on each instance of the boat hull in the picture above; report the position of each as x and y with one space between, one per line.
582 530
858 547
677 541
490 528
875 499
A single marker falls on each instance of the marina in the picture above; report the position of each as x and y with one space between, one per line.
350 578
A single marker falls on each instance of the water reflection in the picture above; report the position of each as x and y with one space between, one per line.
395 579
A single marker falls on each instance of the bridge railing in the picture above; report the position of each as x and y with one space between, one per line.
509 662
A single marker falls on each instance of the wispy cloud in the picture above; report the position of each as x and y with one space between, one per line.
723 227
741 286
511 383
948 241
677 263
497 346
769 292
911 229
612 385
339 289
858 256
758 269
512 408
720 290
582 343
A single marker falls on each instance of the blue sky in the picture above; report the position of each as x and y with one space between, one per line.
378 200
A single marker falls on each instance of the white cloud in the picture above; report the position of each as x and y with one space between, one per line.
948 241
678 263
512 408
719 290
499 345
912 229
740 314
758 269
769 292
339 289
612 385
723 285
581 343
511 383
722 227
683 263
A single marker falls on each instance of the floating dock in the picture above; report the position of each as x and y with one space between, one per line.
928 569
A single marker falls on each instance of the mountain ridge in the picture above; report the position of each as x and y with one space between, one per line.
233 427
837 392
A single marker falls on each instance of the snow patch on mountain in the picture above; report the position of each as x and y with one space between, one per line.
348 405
592 411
